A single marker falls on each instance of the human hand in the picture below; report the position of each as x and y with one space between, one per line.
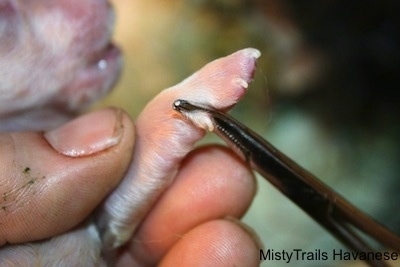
46 193
49 195
54 181
163 139
67 172
195 223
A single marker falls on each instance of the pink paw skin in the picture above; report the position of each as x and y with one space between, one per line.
163 139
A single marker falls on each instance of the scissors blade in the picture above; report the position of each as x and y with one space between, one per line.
319 201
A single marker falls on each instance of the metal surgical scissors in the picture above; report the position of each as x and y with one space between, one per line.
320 202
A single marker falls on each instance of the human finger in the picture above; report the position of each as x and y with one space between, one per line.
212 183
216 243
52 181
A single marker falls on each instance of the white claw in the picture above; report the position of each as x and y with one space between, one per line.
252 52
240 82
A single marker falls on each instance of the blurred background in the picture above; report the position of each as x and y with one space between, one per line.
325 93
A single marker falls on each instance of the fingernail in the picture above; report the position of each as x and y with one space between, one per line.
88 134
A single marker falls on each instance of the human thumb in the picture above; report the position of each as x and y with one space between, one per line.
51 182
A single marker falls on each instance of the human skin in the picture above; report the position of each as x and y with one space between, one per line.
53 181
198 234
